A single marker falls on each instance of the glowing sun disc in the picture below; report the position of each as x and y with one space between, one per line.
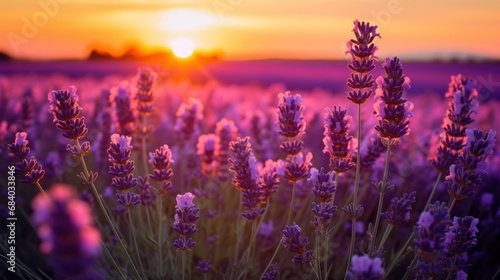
182 47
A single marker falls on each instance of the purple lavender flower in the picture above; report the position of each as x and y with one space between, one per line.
462 94
161 160
203 266
290 115
323 189
64 107
296 244
188 117
392 111
429 240
272 273
362 51
297 167
246 177
269 179
127 199
465 175
31 170
144 95
146 191
373 151
400 210
19 149
186 214
106 129
227 132
323 184
26 112
208 148
337 143
123 110
365 268
292 126
460 238
122 166
65 227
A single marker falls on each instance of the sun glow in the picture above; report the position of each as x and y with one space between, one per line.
182 47
187 20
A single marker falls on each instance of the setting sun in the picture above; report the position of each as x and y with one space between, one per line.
182 47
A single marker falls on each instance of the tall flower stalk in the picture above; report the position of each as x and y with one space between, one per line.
144 97
466 174
463 104
31 170
323 209
393 113
186 214
123 180
292 126
66 112
161 159
363 58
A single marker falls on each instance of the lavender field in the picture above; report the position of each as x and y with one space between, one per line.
251 170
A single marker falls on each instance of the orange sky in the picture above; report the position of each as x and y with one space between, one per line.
244 29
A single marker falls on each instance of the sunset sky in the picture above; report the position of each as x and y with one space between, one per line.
248 29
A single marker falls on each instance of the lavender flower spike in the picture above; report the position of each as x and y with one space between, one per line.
362 51
460 238
186 214
64 107
144 95
463 103
31 170
365 268
400 210
465 175
122 166
162 172
296 244
429 239
188 116
338 144
246 177
68 236
392 111
208 148
203 266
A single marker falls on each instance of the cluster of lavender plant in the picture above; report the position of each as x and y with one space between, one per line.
234 195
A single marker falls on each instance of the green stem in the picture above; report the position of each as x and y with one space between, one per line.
238 234
387 232
400 252
355 198
271 261
42 191
351 247
143 144
451 204
110 257
103 209
381 197
149 221
160 241
131 225
358 159
294 184
183 261
431 196
253 234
